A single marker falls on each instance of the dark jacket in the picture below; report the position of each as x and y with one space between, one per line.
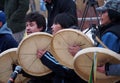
6 39
40 79
15 11
60 6
62 73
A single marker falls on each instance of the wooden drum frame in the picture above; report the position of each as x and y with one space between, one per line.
83 63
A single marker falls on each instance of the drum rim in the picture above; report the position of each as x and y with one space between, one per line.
98 49
53 48
7 53
20 46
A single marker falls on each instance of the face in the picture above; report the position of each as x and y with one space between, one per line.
32 27
105 18
48 1
55 28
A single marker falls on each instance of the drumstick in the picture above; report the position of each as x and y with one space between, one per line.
101 42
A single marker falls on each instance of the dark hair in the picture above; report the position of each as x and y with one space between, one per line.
38 18
114 16
65 20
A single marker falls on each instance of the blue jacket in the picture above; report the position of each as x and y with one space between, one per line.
6 39
110 36
111 41
62 73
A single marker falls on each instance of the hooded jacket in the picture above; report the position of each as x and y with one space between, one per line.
6 39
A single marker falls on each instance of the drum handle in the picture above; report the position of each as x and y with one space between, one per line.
101 42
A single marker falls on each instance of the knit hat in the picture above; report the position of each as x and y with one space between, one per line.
110 4
2 17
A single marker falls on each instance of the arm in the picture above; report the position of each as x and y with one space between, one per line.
74 49
11 42
113 43
23 6
110 69
48 60
113 69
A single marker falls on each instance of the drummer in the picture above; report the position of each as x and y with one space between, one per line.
35 22
108 33
62 73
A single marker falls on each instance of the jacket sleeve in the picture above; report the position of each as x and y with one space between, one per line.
49 61
111 41
112 69
11 42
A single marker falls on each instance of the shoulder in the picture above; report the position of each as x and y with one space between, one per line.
110 35
10 39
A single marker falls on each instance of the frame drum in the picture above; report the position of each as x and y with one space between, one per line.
83 63
65 38
27 50
7 58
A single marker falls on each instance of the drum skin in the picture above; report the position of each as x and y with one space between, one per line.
83 63
7 59
65 38
27 51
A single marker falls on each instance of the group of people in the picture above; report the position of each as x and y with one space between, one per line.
61 16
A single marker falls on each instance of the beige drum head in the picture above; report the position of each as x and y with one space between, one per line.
65 38
83 62
27 50
7 58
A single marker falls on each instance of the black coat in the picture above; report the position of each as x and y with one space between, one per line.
60 6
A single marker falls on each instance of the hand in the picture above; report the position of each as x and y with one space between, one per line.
40 53
13 67
74 49
101 69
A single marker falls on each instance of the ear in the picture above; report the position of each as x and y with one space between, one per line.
1 24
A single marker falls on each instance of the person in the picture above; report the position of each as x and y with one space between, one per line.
110 20
35 22
62 74
7 41
15 11
109 34
55 7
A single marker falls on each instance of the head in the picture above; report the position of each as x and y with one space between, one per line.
35 22
110 12
2 18
63 21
